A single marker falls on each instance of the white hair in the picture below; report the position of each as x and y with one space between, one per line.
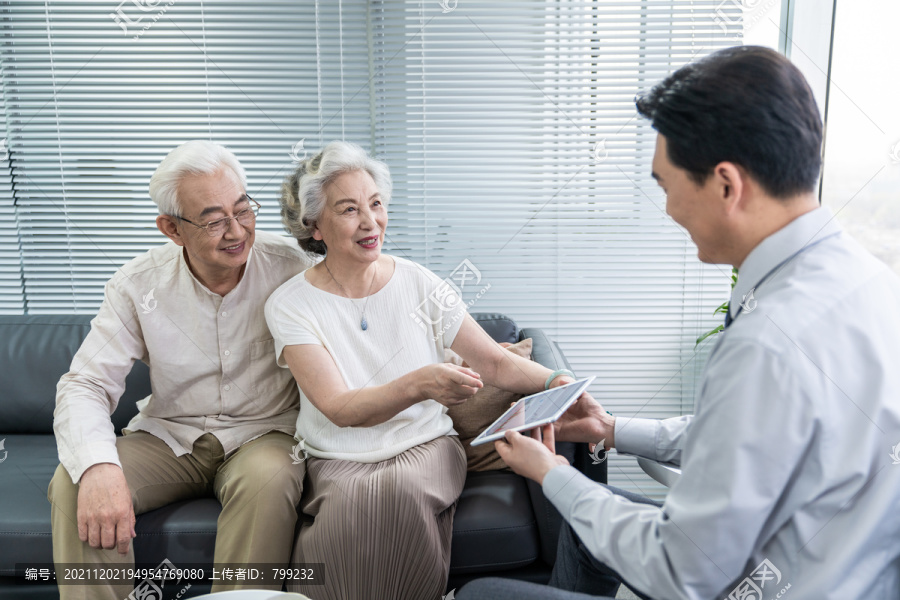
303 193
197 157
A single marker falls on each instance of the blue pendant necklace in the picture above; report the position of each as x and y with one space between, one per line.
363 324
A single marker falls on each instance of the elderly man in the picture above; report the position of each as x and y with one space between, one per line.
788 487
221 416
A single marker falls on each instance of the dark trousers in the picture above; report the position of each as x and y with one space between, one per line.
577 575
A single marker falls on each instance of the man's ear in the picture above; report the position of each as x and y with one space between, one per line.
169 228
731 184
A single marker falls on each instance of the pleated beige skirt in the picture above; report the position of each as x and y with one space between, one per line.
382 529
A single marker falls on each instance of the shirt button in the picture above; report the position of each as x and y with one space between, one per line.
227 353
226 388
224 313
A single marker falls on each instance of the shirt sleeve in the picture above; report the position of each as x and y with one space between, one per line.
441 306
753 425
289 325
88 394
659 440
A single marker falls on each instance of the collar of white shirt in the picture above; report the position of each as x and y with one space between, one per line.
781 246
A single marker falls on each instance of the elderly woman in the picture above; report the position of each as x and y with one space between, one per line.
385 468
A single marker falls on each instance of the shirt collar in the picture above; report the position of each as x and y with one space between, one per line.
240 284
779 247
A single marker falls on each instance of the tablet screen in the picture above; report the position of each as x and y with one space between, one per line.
541 408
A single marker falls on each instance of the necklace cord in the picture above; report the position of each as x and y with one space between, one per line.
362 318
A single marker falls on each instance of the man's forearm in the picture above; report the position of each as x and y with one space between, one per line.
85 435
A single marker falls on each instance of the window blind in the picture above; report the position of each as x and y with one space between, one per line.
92 111
511 132
12 299
509 128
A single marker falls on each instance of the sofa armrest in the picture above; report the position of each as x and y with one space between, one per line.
545 351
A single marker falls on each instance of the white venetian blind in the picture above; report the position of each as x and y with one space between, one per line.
12 299
511 132
91 111
509 128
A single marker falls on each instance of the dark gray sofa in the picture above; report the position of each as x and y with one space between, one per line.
504 526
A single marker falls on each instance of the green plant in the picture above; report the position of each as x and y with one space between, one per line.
721 309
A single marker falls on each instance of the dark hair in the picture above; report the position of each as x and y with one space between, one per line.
747 105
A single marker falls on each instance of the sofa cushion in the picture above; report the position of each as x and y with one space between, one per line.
24 508
494 528
498 326
494 513
186 530
41 348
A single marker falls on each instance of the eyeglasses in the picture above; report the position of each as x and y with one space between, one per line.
246 218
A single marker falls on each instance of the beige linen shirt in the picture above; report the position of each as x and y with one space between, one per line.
211 358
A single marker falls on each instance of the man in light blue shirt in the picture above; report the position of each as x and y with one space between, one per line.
791 463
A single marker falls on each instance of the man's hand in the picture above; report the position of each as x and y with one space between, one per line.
105 511
585 421
531 457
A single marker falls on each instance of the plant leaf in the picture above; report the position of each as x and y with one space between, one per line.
709 333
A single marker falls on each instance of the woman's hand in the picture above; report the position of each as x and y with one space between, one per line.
447 383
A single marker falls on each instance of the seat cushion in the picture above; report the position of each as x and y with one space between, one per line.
24 508
184 532
494 528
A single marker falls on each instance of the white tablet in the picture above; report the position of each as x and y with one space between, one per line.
535 410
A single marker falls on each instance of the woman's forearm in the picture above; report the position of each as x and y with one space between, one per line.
497 366
516 374
377 404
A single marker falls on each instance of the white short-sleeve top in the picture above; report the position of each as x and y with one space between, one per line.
409 323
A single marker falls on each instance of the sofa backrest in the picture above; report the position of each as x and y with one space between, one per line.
35 351
498 326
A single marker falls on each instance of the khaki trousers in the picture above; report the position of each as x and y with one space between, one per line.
258 486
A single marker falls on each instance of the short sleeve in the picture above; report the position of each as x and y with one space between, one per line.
289 325
442 309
